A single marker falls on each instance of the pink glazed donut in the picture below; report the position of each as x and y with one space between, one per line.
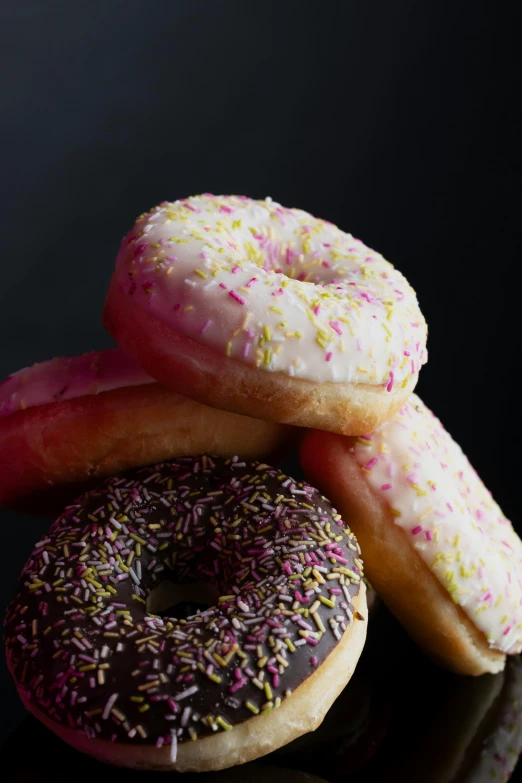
68 422
250 307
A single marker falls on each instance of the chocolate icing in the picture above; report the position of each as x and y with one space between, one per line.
84 649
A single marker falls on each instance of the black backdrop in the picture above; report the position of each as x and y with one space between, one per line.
394 120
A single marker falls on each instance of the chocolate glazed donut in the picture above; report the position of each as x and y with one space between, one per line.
204 692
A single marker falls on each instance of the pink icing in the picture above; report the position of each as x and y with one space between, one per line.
68 377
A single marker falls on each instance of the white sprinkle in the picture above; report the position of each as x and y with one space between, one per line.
185 694
110 704
173 747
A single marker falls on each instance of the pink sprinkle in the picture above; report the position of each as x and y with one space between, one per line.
386 486
487 597
429 535
206 326
237 685
317 309
406 353
389 387
236 269
246 349
508 629
313 660
328 356
228 210
369 465
251 282
416 530
222 285
236 296
335 326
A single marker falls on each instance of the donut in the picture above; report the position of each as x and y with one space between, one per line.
437 548
220 687
69 422
268 312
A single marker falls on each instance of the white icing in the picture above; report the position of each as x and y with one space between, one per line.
415 466
222 271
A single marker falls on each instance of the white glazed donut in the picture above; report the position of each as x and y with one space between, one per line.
67 422
437 548
266 311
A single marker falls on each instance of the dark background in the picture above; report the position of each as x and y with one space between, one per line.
394 120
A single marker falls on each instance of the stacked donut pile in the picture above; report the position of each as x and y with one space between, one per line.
244 329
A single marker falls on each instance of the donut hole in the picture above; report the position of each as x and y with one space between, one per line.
179 600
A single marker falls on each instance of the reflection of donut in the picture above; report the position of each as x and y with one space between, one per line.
73 420
222 687
257 773
268 312
437 548
501 744
51 760
474 733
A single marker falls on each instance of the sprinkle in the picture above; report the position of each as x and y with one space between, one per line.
237 297
109 705
173 746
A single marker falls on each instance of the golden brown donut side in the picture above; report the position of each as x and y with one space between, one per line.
399 575
52 452
302 712
193 369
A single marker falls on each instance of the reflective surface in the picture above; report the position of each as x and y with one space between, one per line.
399 719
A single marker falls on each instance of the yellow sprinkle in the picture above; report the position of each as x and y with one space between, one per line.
214 678
224 725
268 691
252 707
289 644
229 349
327 601
137 538
267 333
200 273
268 356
